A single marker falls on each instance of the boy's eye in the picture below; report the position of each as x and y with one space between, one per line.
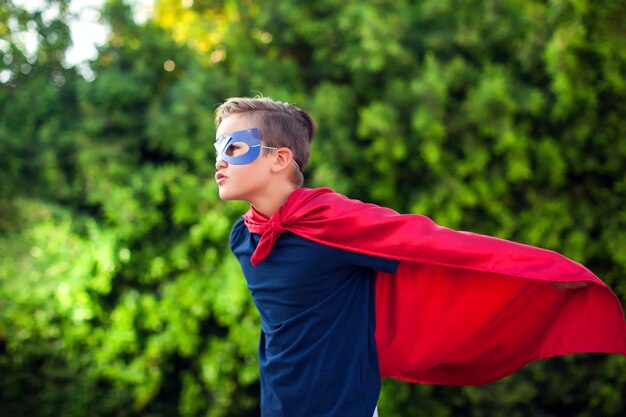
230 151
237 148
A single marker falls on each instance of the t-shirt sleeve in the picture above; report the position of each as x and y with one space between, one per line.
374 262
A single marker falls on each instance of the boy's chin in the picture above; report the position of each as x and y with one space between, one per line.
226 196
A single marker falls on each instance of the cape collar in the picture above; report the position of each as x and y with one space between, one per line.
270 228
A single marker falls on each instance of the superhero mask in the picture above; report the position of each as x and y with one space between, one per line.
246 143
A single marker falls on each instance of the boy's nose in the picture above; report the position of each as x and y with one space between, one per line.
220 163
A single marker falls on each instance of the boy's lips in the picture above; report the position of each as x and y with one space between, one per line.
219 177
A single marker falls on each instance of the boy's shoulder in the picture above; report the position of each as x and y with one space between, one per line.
304 253
238 232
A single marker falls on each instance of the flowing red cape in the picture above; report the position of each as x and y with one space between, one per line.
462 308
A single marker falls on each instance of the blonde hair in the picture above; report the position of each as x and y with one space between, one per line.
280 125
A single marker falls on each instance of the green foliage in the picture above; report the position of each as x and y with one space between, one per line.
118 295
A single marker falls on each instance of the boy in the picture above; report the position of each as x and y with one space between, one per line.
325 272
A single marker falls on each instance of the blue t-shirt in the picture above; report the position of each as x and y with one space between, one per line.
317 351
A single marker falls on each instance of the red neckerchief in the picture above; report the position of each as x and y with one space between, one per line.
462 308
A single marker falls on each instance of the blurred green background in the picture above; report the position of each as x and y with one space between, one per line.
118 294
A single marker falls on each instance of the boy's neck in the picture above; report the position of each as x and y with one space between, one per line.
270 202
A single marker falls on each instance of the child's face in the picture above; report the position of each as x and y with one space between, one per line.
241 174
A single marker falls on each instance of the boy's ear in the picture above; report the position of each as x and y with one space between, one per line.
282 161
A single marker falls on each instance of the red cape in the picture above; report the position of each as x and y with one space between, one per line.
462 308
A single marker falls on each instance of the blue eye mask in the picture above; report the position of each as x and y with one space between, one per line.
239 148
